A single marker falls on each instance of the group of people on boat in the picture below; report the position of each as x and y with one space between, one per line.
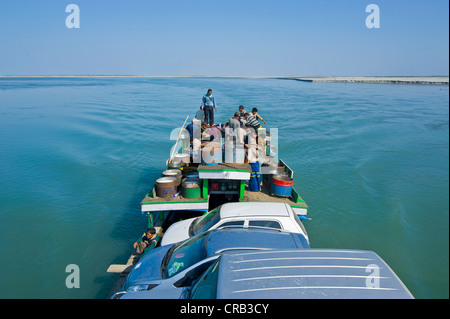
241 122
206 113
244 130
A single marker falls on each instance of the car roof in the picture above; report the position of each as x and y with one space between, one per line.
260 238
307 274
247 209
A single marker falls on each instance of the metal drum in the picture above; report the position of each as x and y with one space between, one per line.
175 164
183 158
173 173
191 188
166 187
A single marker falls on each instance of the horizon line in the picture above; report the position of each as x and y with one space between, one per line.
414 80
227 76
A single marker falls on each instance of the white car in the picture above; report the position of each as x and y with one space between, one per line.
247 214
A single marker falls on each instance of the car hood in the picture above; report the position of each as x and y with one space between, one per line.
148 269
177 232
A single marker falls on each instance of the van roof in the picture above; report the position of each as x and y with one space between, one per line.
230 238
307 274
248 209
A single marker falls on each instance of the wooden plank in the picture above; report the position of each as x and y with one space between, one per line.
123 269
287 169
114 268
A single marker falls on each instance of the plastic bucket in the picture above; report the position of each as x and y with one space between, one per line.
282 185
166 187
191 189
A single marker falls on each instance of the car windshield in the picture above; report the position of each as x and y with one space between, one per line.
206 286
205 222
185 255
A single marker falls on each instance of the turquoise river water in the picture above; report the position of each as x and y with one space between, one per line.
79 154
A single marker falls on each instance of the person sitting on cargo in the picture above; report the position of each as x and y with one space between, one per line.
149 240
236 126
215 131
242 113
256 115
251 122
234 121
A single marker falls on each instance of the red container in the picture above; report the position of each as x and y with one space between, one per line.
282 186
283 182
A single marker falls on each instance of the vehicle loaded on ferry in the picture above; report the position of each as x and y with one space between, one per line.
227 222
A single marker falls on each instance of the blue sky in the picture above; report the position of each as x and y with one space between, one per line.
224 38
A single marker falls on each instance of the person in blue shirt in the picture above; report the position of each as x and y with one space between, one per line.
208 107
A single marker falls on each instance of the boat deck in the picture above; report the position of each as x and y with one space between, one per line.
223 172
295 201
152 203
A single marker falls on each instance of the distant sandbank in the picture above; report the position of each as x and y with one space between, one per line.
440 80
437 80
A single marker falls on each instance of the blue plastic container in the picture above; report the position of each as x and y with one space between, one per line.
281 186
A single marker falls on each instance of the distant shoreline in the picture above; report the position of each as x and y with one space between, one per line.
436 80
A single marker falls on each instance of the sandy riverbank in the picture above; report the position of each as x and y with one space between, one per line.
440 80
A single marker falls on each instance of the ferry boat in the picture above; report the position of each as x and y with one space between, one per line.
188 190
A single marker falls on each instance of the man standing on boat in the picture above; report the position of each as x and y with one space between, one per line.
208 106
